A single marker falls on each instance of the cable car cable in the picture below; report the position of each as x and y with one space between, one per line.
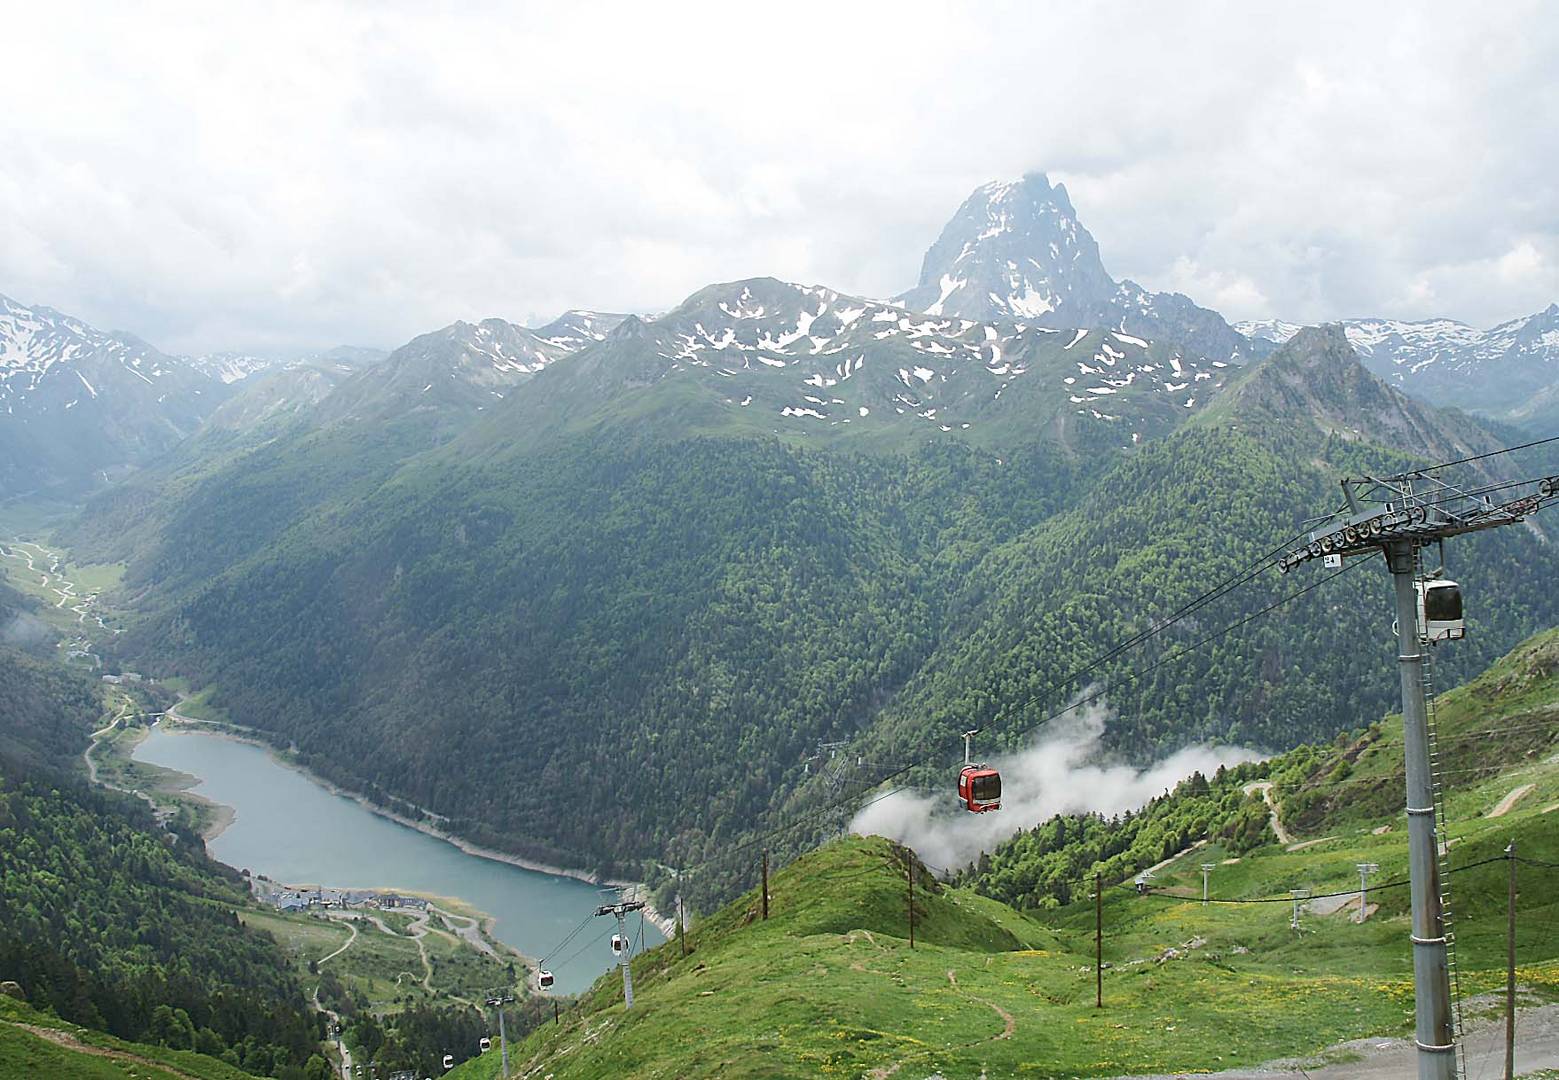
588 945
1223 588
1494 453
560 946
1251 571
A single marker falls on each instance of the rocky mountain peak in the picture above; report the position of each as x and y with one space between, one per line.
1016 253
1014 250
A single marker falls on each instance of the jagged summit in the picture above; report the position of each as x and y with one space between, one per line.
1015 252
1317 378
1510 371
463 366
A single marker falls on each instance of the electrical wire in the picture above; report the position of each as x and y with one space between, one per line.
1397 884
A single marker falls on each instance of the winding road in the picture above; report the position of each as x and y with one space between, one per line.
52 580
1265 787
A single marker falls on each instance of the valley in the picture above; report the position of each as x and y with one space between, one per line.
511 612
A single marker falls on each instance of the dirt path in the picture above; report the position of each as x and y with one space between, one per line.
1510 800
335 1026
161 814
1303 844
350 926
70 1042
471 931
1265 787
1537 1047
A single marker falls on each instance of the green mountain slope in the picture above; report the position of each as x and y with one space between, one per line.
829 985
35 1044
112 922
664 625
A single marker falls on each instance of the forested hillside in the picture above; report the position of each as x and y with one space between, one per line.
658 627
115 924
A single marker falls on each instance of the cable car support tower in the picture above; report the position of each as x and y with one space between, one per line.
1399 516
621 943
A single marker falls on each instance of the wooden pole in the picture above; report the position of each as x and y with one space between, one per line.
1510 968
909 877
1098 941
765 883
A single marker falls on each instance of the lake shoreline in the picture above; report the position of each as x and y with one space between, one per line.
667 926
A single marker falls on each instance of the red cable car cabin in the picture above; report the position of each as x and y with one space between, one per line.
979 789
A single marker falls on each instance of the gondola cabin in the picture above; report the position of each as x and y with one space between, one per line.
485 1045
979 786
544 979
1440 610
619 944
979 789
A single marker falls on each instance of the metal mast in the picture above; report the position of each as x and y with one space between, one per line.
1397 516
498 1001
624 957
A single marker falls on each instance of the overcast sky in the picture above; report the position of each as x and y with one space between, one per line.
211 178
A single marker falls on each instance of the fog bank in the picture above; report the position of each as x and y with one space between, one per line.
1054 775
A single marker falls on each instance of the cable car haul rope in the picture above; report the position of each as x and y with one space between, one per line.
1420 506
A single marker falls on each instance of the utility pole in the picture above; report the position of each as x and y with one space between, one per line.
681 918
1510 967
625 954
1365 870
909 878
1397 516
765 883
1207 868
498 1001
1098 941
1298 895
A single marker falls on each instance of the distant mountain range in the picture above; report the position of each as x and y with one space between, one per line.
1014 317
83 407
1510 371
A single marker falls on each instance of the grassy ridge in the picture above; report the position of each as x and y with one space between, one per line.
828 986
91 1055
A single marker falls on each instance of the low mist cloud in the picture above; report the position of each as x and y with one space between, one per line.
1055 775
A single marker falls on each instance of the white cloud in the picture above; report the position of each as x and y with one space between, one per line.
1059 773
215 176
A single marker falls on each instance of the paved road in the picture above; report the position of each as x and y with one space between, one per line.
1537 1047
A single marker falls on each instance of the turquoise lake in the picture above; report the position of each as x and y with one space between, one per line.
289 828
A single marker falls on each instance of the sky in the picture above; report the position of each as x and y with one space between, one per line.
270 176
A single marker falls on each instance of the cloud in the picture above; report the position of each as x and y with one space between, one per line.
307 174
1059 773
